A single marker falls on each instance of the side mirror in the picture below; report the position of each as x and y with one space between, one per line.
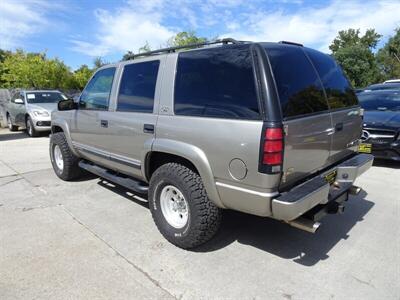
68 104
18 101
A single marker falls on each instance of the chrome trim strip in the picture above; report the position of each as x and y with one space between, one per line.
233 187
113 157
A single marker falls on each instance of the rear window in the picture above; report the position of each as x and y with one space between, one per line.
138 86
216 82
338 89
299 88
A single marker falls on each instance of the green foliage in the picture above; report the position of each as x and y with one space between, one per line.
388 57
98 62
82 76
354 53
145 48
185 38
33 70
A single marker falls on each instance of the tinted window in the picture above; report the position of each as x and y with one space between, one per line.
380 101
97 92
217 82
299 88
338 89
138 85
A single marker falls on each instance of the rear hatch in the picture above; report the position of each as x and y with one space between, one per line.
321 116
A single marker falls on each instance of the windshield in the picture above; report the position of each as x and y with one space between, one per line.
44 97
380 101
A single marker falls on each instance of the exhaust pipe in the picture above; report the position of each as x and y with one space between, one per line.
354 190
305 224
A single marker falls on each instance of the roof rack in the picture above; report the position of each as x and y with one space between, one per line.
291 43
173 49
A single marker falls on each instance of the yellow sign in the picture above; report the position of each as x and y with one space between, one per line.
365 148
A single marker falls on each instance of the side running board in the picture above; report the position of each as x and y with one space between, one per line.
127 182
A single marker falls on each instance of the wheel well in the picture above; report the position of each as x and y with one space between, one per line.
155 159
56 128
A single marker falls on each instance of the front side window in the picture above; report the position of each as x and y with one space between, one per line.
97 93
216 82
299 88
338 89
138 86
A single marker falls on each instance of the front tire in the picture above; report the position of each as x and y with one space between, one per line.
11 127
64 162
30 128
180 207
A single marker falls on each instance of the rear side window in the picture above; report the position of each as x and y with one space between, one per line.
138 86
338 89
217 82
299 88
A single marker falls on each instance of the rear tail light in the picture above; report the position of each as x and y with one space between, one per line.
272 150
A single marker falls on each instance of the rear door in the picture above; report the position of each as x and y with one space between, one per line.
132 121
346 118
306 117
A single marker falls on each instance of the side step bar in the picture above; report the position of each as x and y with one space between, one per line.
127 182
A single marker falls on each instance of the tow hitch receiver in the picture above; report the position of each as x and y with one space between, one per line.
310 220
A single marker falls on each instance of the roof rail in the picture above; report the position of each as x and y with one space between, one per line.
224 41
291 43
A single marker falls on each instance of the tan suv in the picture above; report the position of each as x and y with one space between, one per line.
269 129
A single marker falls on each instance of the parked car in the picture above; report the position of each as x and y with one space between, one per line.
381 128
4 98
31 109
382 86
226 125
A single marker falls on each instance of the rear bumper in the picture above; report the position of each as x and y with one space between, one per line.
317 190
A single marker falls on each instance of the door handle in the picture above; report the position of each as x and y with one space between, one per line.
148 128
339 127
104 123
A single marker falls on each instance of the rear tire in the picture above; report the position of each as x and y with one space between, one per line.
64 162
180 207
11 127
30 128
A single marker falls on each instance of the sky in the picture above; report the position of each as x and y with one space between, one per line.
77 31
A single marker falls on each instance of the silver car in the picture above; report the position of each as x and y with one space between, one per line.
31 109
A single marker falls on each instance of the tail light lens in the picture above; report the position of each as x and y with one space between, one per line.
273 150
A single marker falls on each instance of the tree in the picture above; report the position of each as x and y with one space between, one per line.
144 48
185 38
388 57
98 62
81 77
354 53
33 70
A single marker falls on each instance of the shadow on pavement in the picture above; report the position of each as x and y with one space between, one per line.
287 242
386 163
13 136
125 193
276 237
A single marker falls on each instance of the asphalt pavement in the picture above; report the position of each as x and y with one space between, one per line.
90 239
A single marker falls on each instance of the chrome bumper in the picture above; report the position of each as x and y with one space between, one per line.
317 190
